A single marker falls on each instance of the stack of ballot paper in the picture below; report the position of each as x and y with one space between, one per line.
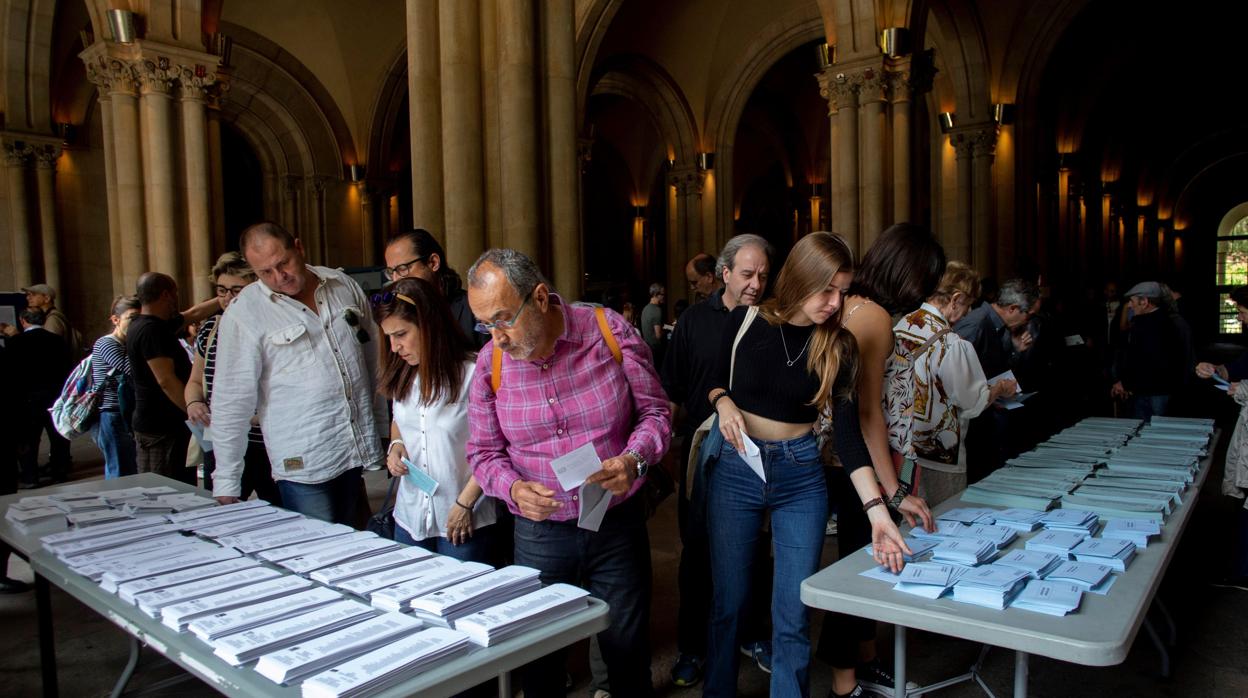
80 505
315 655
928 579
439 573
152 601
1138 531
964 551
997 492
1059 543
497 623
336 551
179 615
944 529
127 591
298 531
376 563
1093 577
52 541
36 519
186 501
990 585
1024 520
287 552
225 509
245 646
1105 551
1114 503
919 547
1070 520
969 515
382 667
490 589
1000 536
271 517
366 584
72 547
95 517
116 572
1034 563
209 628
1052 598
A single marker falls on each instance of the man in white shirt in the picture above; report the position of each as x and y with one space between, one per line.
298 349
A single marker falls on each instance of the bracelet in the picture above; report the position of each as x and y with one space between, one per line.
717 398
392 443
192 402
903 491
465 507
872 503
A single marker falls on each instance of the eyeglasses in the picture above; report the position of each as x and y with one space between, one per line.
223 291
504 325
399 271
386 297
361 335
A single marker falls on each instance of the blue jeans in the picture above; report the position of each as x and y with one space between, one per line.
795 495
614 565
479 548
1241 555
1145 406
115 440
333 500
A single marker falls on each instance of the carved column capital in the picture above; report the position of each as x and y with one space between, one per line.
157 74
46 156
319 183
687 180
840 87
113 75
291 184
975 140
16 153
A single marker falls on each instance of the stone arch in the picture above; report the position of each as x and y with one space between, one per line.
27 65
644 82
593 20
1233 216
391 94
955 31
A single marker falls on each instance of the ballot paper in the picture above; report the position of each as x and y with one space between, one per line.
94 564
217 510
153 602
80 546
882 574
125 570
964 551
1033 562
218 516
919 548
944 529
179 615
315 655
368 565
232 528
311 547
302 530
969 515
83 519
1088 575
574 466
127 591
398 597
1138 531
595 500
752 456
418 477
990 585
497 623
338 553
365 585
48 519
245 646
1070 520
1019 519
1056 542
928 579
1105 551
476 594
1052 598
382 667
237 620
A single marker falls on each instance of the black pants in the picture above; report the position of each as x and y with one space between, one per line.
165 454
841 635
38 422
257 474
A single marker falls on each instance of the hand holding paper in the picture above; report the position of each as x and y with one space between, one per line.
752 456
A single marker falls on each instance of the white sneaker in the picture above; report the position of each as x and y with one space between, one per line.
599 693
830 530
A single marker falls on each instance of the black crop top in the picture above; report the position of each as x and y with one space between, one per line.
764 384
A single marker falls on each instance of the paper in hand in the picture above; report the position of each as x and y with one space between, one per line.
752 456
595 500
573 467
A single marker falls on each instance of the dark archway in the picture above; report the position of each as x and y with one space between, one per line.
243 185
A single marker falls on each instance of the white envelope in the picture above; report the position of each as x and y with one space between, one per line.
752 456
595 500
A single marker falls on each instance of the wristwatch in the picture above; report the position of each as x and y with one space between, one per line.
642 466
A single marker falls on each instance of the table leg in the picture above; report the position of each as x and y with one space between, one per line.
47 645
131 663
504 685
1020 674
899 660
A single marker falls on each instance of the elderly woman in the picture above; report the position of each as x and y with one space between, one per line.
110 369
944 386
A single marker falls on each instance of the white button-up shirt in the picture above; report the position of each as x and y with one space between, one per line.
436 438
306 375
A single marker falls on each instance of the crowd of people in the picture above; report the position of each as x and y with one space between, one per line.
871 388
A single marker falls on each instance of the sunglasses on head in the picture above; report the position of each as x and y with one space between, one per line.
387 297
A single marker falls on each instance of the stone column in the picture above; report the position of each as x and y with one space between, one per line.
841 90
159 181
425 113
291 184
960 236
45 180
368 224
196 166
872 154
460 37
216 178
900 91
517 111
316 219
681 245
559 31
131 218
983 146
110 183
16 155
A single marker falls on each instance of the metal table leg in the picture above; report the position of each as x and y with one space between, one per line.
47 645
504 685
1020 674
899 660
131 663
1161 647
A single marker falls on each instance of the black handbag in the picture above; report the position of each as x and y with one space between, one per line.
382 523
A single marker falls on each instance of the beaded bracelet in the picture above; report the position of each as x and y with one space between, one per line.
874 502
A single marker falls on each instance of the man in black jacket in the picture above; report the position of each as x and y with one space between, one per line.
41 361
9 417
1156 356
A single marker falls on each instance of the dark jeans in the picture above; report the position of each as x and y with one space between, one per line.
795 497
1241 554
614 565
165 454
1147 406
113 436
257 474
479 548
842 634
333 500
38 422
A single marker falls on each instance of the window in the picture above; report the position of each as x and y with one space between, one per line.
1231 271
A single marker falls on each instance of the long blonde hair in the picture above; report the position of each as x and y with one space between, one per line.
809 269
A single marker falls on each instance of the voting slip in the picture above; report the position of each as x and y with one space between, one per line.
964 551
377 563
1108 508
1020 519
919 548
595 500
497 623
75 506
1105 551
1108 491
96 517
142 507
217 510
247 645
969 515
94 565
73 548
1138 531
944 529
317 654
247 617
302 530
127 591
179 615
976 494
186 501
1070 520
220 516
36 502
124 570
338 553
1056 542
73 496
1052 598
1088 575
1001 536
53 541
50 519
882 574
928 579
573 467
993 586
385 666
1034 563
752 456
287 552
233 528
398 597
366 584
479 593
154 601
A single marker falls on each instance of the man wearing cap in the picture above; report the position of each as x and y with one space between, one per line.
1156 354
43 297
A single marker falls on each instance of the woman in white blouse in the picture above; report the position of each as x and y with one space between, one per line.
426 367
948 388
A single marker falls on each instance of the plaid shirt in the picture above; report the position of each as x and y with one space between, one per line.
547 407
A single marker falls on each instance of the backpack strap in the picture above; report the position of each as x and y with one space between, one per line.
750 314
496 358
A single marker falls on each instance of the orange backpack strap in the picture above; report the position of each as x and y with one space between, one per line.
608 335
496 369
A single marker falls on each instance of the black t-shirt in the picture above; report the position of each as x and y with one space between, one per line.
689 369
150 337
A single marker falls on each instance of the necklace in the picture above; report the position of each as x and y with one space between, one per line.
785 344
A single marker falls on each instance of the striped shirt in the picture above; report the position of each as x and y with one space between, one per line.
108 354
208 350
547 407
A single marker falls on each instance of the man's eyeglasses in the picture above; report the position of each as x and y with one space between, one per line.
361 335
399 271
504 325
223 291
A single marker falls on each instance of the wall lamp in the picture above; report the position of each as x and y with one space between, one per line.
895 42
825 53
706 161
66 132
1003 113
121 23
639 212
355 173
946 121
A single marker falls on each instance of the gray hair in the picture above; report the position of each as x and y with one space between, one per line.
518 268
728 256
1020 292
656 289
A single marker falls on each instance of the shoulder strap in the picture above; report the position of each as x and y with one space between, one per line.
922 348
496 368
496 359
750 314
212 335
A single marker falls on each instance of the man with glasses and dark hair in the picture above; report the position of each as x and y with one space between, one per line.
417 253
299 350
555 378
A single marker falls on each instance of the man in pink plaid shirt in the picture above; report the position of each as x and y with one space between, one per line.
560 387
